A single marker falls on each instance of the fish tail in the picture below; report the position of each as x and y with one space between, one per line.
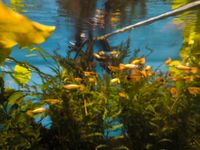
121 66
142 61
29 113
144 73
82 87
194 70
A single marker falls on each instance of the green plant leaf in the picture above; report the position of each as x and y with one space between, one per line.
101 146
22 74
96 134
116 127
16 97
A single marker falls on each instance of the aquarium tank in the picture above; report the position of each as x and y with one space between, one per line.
100 74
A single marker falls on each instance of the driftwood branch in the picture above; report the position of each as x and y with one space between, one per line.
151 20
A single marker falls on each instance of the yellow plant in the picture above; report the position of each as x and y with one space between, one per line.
17 29
191 33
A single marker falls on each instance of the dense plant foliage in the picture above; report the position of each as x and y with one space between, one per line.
120 108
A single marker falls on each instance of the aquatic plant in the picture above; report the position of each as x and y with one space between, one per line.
150 110
127 109
18 130
86 110
161 114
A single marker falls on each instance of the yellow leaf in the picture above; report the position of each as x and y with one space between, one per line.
174 70
188 22
179 3
191 38
174 63
17 29
22 74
